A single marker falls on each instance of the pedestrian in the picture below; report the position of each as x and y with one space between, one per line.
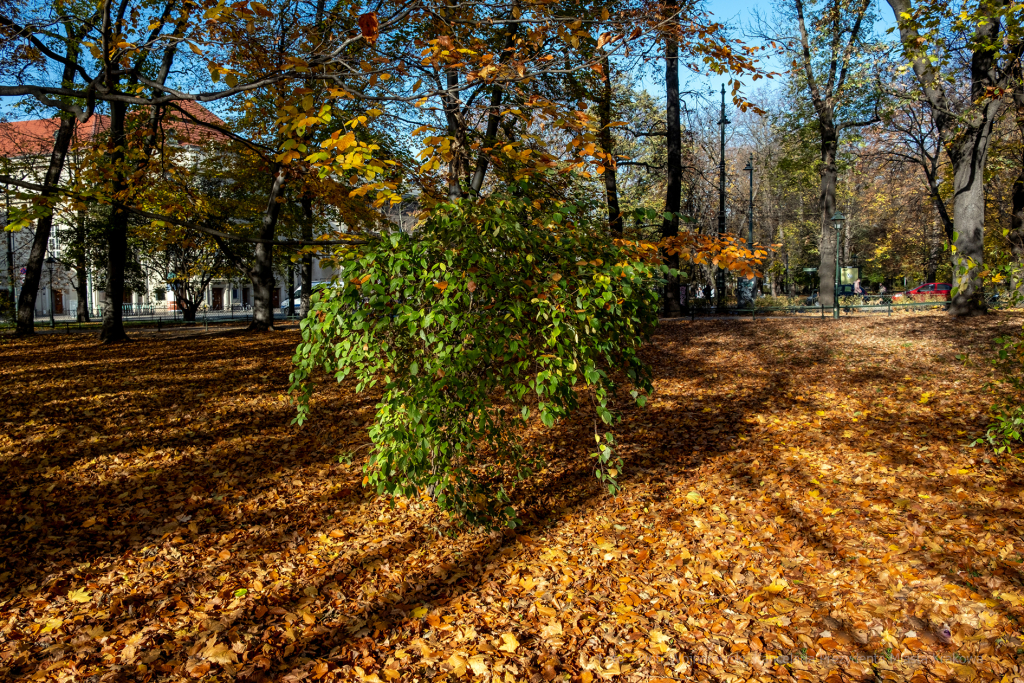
859 291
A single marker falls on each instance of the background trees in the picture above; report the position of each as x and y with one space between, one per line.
326 117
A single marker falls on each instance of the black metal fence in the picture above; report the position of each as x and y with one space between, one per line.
68 323
804 307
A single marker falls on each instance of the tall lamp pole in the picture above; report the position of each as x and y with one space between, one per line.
749 168
837 223
720 275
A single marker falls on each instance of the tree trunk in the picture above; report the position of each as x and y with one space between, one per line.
670 224
969 158
827 208
81 271
607 141
262 273
112 329
456 130
41 239
188 313
306 270
1016 236
493 115
934 254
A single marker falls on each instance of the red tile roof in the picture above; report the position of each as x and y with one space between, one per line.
35 137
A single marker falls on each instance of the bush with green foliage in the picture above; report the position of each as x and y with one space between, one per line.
1007 426
489 311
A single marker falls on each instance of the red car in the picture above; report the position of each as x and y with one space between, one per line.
932 291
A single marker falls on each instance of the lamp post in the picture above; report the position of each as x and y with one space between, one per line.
749 285
720 275
837 223
49 266
749 168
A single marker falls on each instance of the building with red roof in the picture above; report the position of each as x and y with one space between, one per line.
25 148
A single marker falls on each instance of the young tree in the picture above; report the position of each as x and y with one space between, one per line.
831 56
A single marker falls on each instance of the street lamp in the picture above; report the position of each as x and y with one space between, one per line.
49 266
837 222
749 168
749 285
720 273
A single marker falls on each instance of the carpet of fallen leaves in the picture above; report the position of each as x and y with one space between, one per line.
799 504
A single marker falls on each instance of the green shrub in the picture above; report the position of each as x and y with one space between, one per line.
487 312
1007 414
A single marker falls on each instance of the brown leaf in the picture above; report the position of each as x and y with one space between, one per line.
369 26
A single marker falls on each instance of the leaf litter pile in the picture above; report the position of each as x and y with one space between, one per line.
799 503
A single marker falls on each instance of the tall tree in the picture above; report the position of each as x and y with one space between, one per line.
670 222
48 195
830 57
936 41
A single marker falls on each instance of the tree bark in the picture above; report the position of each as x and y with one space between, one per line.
41 240
457 132
828 242
306 270
670 224
262 273
1016 236
493 115
607 141
969 159
81 271
112 329
965 136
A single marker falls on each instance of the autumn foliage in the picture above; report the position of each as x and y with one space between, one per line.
798 503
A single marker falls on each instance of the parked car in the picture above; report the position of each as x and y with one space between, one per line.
931 291
298 296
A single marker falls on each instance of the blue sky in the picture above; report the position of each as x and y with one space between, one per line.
738 14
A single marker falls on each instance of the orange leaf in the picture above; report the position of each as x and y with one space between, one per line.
369 26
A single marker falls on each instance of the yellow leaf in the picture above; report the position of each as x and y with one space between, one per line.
821 413
419 612
219 654
51 625
79 595
458 665
509 643
777 586
552 629
695 498
546 611
195 48
478 663
88 523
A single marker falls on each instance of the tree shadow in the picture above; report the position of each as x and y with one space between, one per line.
371 565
